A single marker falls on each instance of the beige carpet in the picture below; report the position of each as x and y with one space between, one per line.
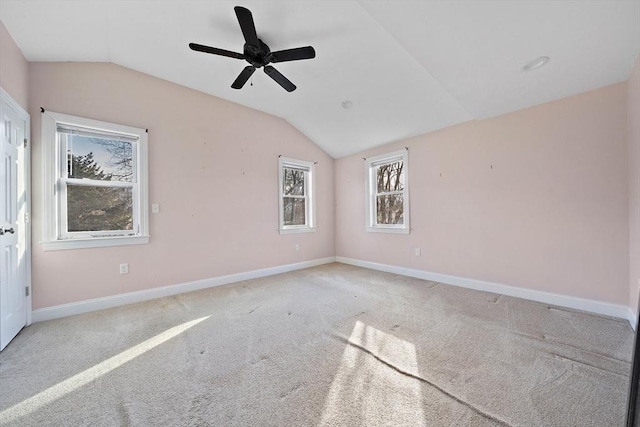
329 346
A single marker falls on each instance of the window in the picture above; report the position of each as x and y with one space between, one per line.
387 193
297 200
95 183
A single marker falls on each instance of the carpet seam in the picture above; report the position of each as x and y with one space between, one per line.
419 378
545 339
588 365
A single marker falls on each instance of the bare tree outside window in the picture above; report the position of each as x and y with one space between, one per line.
99 208
294 197
387 192
114 158
390 193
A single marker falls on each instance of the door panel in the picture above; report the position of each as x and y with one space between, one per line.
13 231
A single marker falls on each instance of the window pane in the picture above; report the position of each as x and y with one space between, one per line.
389 209
293 184
294 211
99 208
98 158
390 177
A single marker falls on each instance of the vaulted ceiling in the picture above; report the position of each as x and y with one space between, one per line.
406 67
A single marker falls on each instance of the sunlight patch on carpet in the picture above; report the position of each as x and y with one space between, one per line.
73 383
365 388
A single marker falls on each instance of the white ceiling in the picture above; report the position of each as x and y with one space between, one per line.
409 67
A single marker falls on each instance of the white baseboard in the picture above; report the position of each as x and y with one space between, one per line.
71 309
632 318
593 306
589 305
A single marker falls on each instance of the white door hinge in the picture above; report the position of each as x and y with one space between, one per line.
25 143
26 291
26 217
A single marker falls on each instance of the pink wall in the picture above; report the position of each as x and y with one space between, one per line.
551 215
202 150
633 122
14 69
558 212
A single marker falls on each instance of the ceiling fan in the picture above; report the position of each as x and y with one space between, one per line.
257 53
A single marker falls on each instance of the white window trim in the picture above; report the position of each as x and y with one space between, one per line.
310 206
370 201
51 239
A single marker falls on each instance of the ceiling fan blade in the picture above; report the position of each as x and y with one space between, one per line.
215 51
279 78
245 19
296 54
243 77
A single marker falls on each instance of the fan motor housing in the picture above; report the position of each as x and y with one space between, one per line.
258 56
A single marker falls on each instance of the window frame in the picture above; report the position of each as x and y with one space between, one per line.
55 234
309 191
371 165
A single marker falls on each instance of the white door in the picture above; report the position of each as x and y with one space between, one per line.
14 293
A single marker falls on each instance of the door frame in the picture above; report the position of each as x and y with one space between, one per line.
26 170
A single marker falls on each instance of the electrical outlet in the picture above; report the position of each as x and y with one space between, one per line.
297 247
155 208
417 251
124 268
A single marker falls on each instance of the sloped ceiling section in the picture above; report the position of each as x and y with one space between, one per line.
407 67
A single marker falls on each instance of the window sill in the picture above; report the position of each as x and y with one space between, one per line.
96 242
388 230
297 230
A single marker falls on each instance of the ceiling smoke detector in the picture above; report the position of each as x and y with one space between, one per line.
536 63
347 104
